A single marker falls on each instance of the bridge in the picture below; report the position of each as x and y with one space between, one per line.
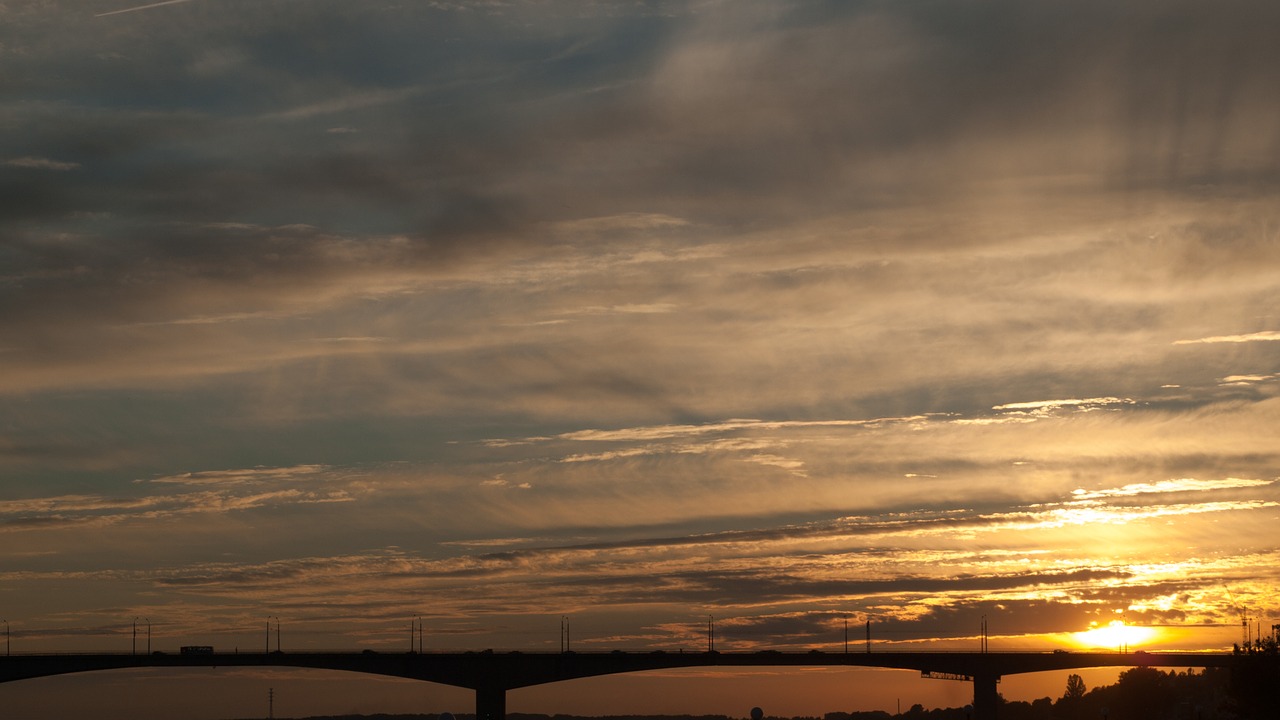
492 674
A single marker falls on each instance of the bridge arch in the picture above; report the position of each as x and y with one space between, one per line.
216 693
492 675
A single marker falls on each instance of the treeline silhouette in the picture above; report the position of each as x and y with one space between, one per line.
1248 691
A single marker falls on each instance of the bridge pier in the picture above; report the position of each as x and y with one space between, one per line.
986 699
491 702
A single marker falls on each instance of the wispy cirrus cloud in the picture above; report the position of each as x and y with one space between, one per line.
817 563
1171 486
245 476
41 163
141 7
347 103
231 491
664 432
1078 403
1247 380
1261 336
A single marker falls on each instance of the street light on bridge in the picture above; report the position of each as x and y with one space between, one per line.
134 649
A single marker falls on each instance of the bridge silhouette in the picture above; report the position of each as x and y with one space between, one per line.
491 674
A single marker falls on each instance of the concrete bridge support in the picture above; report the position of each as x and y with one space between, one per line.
491 702
986 699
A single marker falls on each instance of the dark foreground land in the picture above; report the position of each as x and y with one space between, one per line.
1250 691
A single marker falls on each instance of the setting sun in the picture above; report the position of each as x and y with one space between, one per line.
1115 635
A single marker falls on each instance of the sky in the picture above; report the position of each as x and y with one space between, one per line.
349 317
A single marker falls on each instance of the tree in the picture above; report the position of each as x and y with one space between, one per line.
1143 692
1071 706
1075 688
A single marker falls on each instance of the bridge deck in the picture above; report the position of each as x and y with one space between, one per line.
516 669
492 674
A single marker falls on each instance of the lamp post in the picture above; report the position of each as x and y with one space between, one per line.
134 649
148 635
269 619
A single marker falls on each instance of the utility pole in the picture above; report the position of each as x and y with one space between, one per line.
134 649
6 638
148 635
711 634
277 619
868 636
846 636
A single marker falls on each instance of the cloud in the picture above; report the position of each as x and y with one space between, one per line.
358 101
1081 403
231 491
1170 486
39 163
141 7
1262 336
246 476
676 431
1246 379
215 319
625 222
1038 579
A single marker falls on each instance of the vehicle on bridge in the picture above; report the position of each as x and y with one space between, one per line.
197 649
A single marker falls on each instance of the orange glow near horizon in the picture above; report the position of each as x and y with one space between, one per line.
1115 635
